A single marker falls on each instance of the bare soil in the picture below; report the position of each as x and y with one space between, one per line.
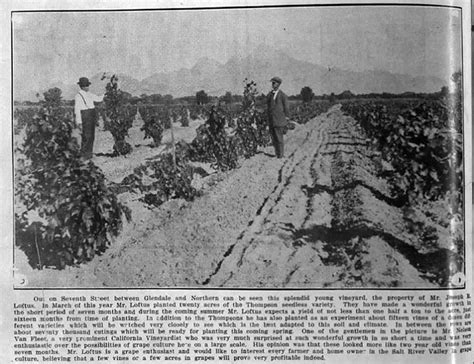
318 218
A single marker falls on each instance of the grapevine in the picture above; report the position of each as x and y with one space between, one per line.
213 144
152 125
424 151
65 212
118 118
22 116
306 111
163 181
183 116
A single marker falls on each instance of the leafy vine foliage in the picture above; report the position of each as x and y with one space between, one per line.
118 117
196 112
252 124
65 211
222 146
161 114
183 116
22 117
160 180
306 111
152 125
423 144
213 144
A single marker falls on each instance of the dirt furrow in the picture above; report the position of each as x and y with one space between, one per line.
267 250
287 195
363 210
313 235
185 243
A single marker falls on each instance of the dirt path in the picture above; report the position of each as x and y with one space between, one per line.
312 231
318 218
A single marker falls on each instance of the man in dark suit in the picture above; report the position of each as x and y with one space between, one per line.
278 112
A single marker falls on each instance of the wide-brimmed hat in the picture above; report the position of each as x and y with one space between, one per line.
83 81
276 79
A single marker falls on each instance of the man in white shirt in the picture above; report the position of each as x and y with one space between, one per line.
86 116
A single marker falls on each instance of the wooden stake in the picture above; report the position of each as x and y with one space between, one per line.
173 148
38 251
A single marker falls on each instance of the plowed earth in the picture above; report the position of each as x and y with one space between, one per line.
318 218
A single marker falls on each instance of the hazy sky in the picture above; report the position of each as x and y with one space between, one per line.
51 47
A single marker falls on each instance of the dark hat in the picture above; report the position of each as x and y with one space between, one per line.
276 79
83 81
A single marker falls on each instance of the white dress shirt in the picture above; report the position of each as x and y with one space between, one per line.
275 94
84 100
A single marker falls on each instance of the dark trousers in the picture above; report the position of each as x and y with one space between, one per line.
277 139
89 119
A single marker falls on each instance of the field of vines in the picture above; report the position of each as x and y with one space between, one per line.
370 192
67 212
419 147
422 142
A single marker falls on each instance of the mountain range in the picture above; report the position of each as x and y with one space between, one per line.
216 78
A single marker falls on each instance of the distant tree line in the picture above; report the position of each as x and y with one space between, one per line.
306 94
202 97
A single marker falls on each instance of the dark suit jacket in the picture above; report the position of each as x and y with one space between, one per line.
277 109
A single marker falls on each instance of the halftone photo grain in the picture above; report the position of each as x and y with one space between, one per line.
278 147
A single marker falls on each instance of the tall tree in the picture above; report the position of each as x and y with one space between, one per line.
53 96
227 98
307 94
202 98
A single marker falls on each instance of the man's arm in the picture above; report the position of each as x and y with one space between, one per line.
98 98
286 109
